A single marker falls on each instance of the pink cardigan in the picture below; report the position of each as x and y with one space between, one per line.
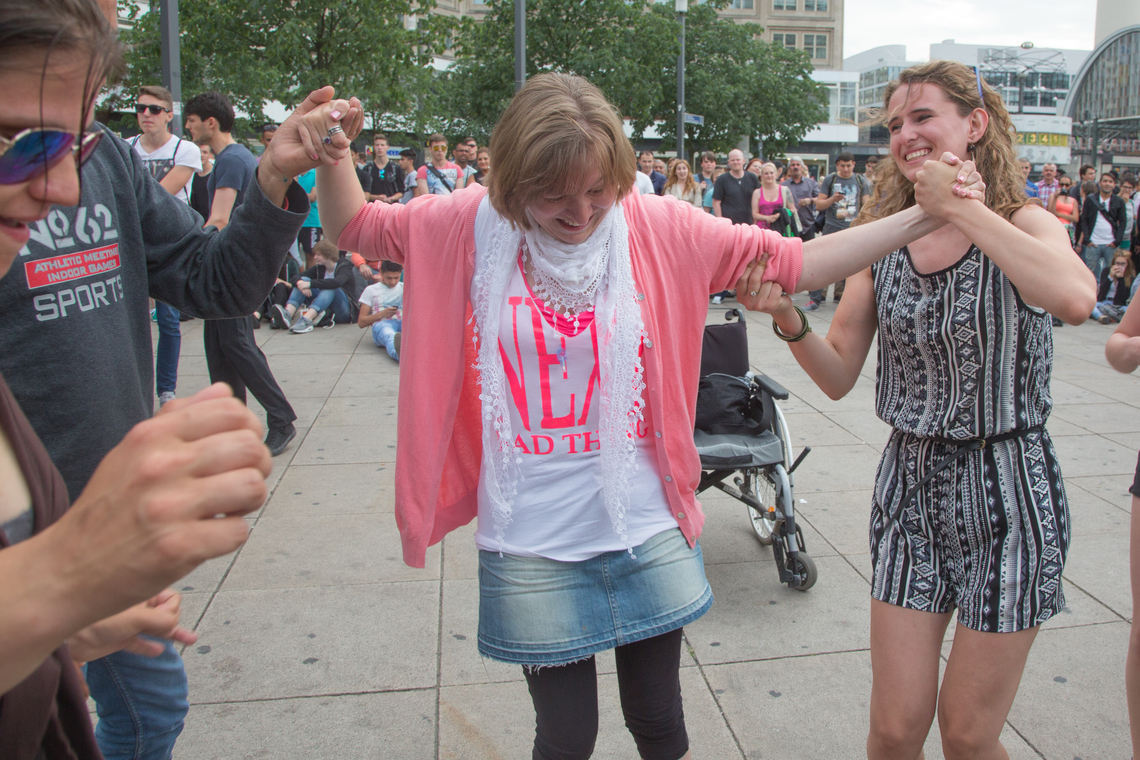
679 255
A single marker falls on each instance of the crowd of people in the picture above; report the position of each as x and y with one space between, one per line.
551 379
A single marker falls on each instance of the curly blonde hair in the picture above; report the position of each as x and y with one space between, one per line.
994 153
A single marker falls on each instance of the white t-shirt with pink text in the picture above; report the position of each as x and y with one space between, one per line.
555 398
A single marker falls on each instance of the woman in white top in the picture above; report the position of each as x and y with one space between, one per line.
681 185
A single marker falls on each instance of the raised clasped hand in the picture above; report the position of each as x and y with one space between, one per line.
941 184
756 295
303 142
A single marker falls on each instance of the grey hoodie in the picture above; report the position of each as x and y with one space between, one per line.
75 342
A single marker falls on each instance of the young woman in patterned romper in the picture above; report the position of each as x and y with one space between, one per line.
965 348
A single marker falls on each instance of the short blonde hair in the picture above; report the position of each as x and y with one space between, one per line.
556 129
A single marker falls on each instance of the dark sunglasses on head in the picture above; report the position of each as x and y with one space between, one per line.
154 110
33 151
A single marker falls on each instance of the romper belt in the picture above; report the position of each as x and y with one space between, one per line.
964 448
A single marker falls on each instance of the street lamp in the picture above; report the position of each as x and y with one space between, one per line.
682 7
520 44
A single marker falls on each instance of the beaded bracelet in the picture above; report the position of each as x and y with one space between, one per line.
797 337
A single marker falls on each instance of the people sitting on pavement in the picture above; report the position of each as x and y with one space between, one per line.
328 288
1115 289
380 309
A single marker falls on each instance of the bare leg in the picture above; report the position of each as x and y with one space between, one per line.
905 649
1132 664
982 676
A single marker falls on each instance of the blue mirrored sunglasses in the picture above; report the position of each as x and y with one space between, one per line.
33 151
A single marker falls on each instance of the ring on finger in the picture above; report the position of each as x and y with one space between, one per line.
327 140
335 129
752 292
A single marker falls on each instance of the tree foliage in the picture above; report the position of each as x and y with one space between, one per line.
741 85
258 51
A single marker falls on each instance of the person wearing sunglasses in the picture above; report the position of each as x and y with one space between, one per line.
172 161
82 259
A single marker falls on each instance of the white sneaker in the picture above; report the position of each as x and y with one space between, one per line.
718 299
164 397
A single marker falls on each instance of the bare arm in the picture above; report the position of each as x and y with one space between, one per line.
716 208
835 361
368 317
223 205
177 178
832 257
342 197
1123 347
460 181
1033 251
823 202
756 215
421 188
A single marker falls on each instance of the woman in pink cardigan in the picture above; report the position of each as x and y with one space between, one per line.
550 363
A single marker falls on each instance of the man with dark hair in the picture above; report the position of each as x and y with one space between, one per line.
1087 174
267 132
465 151
704 180
232 355
408 165
841 196
385 177
1102 225
645 164
869 167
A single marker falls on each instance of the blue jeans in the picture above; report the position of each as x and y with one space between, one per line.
1098 258
384 335
321 300
169 347
142 703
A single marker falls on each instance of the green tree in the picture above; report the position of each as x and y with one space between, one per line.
743 86
258 51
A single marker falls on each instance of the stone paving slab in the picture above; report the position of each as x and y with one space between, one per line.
382 725
386 674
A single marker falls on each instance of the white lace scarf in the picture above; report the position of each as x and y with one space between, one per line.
600 274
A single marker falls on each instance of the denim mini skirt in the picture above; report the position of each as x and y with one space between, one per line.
537 611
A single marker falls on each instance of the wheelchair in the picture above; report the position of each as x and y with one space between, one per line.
758 460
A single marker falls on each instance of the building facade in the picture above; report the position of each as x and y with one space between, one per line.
814 26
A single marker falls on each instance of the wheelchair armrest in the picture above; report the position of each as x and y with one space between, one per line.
771 387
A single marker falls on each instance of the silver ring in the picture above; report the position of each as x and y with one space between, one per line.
752 292
335 130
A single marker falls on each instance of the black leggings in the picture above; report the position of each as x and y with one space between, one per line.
566 702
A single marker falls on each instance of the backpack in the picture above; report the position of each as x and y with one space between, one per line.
864 189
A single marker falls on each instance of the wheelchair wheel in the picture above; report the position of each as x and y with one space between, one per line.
803 568
764 490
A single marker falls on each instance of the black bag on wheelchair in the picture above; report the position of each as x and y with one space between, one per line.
724 404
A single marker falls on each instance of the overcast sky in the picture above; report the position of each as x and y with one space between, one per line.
918 23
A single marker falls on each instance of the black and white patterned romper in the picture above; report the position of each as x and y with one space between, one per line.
961 356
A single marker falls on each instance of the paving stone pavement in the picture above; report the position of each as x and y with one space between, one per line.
316 641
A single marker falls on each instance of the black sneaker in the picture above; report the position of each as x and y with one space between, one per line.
278 439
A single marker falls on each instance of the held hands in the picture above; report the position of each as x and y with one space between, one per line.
299 144
941 186
167 498
756 295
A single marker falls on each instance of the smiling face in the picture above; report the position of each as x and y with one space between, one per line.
1107 185
768 174
924 124
681 169
62 108
483 161
572 217
149 123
